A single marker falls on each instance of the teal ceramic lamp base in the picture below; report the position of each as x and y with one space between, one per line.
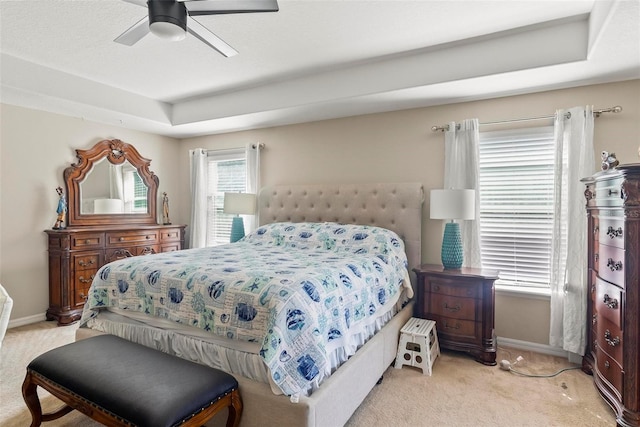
452 255
237 229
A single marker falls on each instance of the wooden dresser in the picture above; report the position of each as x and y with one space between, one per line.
613 303
94 232
76 254
462 304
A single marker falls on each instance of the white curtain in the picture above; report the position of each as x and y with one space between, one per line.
253 182
574 159
461 172
198 168
116 182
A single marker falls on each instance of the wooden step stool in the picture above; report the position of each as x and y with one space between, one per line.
418 345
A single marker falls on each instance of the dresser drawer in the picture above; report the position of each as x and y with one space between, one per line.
80 296
454 288
453 307
609 338
168 235
609 192
610 371
129 237
611 231
87 241
114 254
608 302
170 247
611 264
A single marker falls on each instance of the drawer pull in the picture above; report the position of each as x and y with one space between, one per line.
614 265
612 192
436 288
83 296
447 326
147 237
87 241
613 233
147 251
455 308
610 302
82 263
606 364
89 280
596 229
612 342
596 257
594 319
121 239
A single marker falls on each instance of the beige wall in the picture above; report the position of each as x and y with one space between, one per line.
400 147
35 147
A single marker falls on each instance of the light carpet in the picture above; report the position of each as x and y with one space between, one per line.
461 392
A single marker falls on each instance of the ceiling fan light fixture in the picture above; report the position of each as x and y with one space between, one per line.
167 30
167 19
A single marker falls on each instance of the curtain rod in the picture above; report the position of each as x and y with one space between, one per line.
596 113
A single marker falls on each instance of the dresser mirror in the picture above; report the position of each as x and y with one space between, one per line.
111 184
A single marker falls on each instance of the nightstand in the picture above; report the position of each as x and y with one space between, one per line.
462 303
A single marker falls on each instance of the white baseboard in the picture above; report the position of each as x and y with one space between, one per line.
26 320
532 346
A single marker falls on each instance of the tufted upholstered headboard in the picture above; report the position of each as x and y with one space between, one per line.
397 207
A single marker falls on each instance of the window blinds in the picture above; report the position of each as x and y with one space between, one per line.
516 204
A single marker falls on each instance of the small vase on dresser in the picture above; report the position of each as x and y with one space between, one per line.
613 303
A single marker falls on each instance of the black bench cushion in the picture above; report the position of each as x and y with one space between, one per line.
144 386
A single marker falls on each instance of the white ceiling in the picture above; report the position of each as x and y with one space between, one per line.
312 60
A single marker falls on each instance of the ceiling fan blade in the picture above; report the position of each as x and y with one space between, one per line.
220 7
135 33
202 33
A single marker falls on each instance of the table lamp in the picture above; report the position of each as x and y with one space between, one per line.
238 204
452 205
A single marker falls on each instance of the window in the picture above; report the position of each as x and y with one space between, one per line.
516 182
227 172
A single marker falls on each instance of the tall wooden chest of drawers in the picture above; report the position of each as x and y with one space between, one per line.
76 254
462 303
613 303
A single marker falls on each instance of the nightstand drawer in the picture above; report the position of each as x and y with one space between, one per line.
608 302
611 231
453 307
611 264
455 288
456 329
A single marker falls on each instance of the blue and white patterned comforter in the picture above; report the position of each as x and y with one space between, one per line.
300 289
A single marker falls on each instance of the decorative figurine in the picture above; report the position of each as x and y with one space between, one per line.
165 209
61 210
609 160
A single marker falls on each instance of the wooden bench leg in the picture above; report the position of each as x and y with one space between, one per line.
235 409
30 395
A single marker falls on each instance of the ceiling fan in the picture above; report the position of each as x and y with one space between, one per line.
171 19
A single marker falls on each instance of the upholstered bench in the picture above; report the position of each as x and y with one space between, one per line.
120 383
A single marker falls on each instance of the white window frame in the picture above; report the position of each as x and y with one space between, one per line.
522 166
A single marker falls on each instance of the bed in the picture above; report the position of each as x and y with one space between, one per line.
284 385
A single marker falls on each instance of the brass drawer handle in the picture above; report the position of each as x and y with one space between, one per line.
87 241
614 265
83 296
613 233
121 239
610 302
455 308
612 342
82 262
89 280
446 326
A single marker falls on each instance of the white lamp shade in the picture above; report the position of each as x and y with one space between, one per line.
108 206
453 204
239 203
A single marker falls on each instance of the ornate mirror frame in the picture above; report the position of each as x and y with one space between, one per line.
116 152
